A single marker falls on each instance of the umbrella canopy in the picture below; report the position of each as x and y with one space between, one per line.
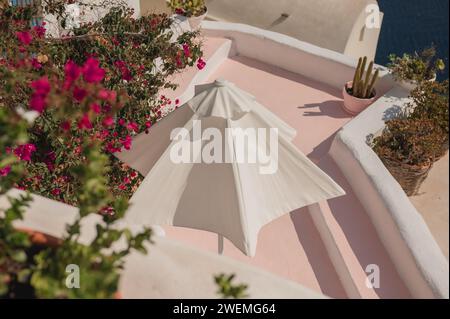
223 193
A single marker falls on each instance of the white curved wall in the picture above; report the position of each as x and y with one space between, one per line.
337 25
404 233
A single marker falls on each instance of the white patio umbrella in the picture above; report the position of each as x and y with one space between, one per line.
234 199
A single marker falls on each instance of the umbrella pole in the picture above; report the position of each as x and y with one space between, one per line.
220 243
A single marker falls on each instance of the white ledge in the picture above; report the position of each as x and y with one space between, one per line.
404 233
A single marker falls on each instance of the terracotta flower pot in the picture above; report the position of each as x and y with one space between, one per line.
41 239
354 105
195 22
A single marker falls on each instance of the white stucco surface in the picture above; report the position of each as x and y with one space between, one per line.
338 25
403 231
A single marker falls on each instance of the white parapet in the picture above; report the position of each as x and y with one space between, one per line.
404 233
346 26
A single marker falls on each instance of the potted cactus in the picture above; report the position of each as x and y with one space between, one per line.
194 10
360 93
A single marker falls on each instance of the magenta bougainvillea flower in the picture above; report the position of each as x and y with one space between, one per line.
39 30
92 72
65 126
126 142
186 50
133 126
37 103
41 88
35 64
108 121
201 64
124 70
25 151
24 37
72 72
107 95
79 93
96 108
5 171
85 122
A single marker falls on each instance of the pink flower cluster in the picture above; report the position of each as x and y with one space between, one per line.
124 70
39 30
186 50
72 72
24 37
5 171
92 72
201 64
41 89
25 151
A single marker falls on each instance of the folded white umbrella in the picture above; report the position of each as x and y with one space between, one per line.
232 199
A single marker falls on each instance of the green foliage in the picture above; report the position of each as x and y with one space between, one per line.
13 131
227 289
188 8
99 263
416 67
363 80
429 100
409 141
14 267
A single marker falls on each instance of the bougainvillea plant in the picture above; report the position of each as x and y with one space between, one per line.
67 105
102 82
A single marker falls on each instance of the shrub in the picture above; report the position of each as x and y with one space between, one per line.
430 101
103 81
417 67
409 141
188 8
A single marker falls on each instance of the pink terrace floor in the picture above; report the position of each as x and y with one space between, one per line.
291 246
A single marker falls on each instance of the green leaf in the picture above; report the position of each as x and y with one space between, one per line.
23 275
19 256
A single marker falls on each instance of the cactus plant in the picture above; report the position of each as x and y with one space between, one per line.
363 80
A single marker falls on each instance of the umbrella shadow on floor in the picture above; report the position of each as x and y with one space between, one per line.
316 253
361 235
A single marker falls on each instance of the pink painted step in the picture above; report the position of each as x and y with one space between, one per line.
353 243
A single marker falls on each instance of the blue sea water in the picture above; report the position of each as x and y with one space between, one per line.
410 25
